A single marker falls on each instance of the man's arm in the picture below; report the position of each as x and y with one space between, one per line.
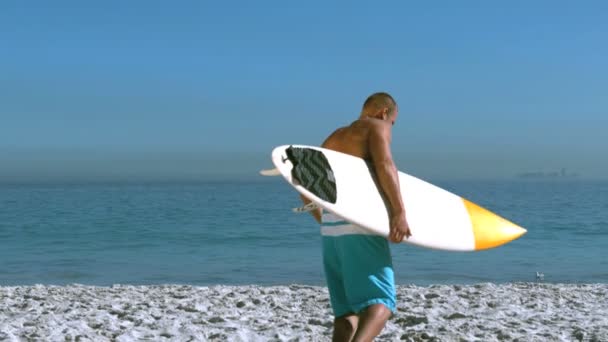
388 179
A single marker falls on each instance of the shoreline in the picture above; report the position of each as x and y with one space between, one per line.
483 312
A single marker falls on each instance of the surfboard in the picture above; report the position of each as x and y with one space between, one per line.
346 186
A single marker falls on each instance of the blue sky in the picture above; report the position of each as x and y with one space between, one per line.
191 89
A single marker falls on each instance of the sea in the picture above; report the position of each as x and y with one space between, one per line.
242 232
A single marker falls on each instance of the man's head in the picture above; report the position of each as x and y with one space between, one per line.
380 106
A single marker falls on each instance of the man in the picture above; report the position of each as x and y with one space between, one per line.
358 265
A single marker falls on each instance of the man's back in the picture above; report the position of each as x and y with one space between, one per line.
353 139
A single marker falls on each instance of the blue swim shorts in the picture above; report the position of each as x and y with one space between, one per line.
358 267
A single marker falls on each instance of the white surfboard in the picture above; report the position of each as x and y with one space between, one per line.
345 186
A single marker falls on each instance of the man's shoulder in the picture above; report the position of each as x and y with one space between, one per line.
378 127
373 123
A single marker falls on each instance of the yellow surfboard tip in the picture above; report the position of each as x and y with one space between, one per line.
489 229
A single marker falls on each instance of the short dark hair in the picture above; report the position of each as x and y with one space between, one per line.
380 100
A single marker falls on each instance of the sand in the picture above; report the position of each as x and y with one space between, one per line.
484 312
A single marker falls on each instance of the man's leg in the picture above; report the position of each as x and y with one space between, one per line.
345 328
370 283
345 323
371 322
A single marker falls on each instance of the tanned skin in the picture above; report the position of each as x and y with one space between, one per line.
369 138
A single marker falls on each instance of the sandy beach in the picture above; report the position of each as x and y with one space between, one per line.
484 312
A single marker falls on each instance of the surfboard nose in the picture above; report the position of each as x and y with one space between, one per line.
489 229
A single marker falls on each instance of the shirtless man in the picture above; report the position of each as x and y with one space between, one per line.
358 266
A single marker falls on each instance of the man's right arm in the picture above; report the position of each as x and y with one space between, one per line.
388 179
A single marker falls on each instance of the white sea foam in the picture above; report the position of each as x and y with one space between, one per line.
484 312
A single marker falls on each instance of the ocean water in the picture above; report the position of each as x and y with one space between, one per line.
237 233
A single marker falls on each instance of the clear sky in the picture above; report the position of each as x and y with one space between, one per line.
195 89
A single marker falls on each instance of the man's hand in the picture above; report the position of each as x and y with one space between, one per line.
399 228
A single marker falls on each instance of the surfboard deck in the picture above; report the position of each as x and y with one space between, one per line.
346 186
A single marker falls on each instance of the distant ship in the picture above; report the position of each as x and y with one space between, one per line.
548 175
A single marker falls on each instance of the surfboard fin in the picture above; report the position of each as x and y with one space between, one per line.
270 172
308 207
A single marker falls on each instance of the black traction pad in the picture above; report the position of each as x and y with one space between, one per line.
312 170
